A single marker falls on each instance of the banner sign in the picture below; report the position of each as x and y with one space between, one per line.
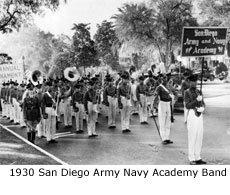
11 71
202 41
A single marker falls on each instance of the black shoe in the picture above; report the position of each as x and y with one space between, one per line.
146 123
169 141
124 131
70 126
11 121
42 136
94 135
142 123
164 142
52 141
200 162
127 130
192 163
135 113
90 136
66 127
17 123
79 132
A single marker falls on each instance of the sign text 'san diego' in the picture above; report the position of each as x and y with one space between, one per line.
199 41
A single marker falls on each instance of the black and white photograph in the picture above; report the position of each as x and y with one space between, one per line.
115 82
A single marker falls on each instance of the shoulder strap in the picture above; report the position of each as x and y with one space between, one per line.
165 88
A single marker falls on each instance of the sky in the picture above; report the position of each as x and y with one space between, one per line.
79 11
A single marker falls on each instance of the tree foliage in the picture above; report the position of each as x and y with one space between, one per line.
61 56
35 45
105 43
83 47
15 13
215 12
159 23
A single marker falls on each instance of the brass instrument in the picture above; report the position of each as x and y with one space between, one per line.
71 74
36 77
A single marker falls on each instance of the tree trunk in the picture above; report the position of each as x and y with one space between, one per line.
167 55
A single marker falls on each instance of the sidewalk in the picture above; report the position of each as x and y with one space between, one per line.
14 151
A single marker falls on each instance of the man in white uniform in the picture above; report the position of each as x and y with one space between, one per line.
110 100
124 102
195 104
164 116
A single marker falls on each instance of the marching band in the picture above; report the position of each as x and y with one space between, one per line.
39 104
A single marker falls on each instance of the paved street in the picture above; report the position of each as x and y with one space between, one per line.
143 145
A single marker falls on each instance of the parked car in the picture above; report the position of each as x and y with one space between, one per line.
208 74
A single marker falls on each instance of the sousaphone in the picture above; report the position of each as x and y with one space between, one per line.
36 77
71 74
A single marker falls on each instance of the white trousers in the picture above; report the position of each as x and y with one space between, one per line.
195 135
67 112
50 124
16 111
3 108
79 116
92 117
134 108
125 113
143 114
112 111
41 128
7 110
12 111
61 107
21 119
164 117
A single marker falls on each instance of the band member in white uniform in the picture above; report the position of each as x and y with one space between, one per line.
16 113
3 93
134 97
164 110
195 104
78 106
141 92
11 106
124 102
66 98
49 113
19 98
7 105
110 100
90 104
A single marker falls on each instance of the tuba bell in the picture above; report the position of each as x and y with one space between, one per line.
71 74
36 77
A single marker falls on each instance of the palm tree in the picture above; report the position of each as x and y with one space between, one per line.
159 24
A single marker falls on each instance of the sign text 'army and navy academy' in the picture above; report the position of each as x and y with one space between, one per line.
116 173
200 41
